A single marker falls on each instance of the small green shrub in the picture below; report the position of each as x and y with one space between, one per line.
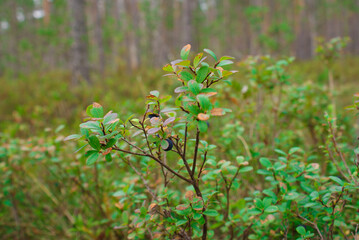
186 189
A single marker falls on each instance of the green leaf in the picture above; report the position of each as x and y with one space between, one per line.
301 230
258 203
185 51
94 142
181 89
211 53
168 68
311 204
208 90
184 63
337 180
202 126
197 59
270 193
111 142
92 158
226 73
73 136
294 150
245 169
202 74
108 157
204 102
97 112
88 110
314 195
264 172
181 222
280 152
194 87
165 99
291 196
271 209
186 76
226 58
265 162
93 125
155 93
211 213
197 216
224 63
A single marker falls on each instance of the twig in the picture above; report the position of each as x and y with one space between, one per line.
195 153
157 160
314 225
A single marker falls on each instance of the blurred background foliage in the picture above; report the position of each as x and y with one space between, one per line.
122 42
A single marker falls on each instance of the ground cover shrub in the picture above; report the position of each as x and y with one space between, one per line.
190 181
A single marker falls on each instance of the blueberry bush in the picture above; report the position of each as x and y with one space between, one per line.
263 148
187 187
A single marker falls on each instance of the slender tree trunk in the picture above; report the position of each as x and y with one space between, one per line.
312 25
120 18
187 28
79 52
303 43
354 29
16 67
47 9
131 34
98 11
159 45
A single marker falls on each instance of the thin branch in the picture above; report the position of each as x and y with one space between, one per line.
185 141
195 153
203 163
314 225
141 176
339 152
157 160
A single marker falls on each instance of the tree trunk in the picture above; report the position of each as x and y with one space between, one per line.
159 44
131 34
312 25
354 30
303 42
187 29
16 66
98 11
79 52
47 9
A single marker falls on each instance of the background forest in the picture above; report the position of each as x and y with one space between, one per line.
275 128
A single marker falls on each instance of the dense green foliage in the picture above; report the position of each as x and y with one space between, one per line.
277 166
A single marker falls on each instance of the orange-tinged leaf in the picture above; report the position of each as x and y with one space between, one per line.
168 68
185 51
151 96
119 205
113 121
217 112
153 208
209 94
182 207
187 47
96 105
153 130
203 117
107 151
189 195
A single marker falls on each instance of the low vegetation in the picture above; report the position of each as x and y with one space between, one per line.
265 151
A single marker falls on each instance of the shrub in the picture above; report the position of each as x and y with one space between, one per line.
188 190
